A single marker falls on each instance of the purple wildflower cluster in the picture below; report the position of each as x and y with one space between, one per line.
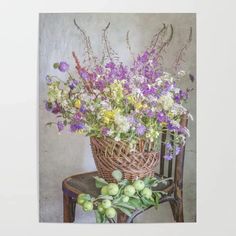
119 101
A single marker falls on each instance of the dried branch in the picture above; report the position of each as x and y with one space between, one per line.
167 42
129 46
156 37
108 52
182 52
88 48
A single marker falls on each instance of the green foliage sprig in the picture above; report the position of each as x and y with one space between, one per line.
124 196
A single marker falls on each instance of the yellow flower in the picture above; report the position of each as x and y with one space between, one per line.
131 99
108 116
77 104
138 105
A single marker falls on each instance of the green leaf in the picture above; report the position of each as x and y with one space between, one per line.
135 203
126 205
98 216
105 197
117 200
150 181
117 174
147 202
124 182
100 182
125 210
49 124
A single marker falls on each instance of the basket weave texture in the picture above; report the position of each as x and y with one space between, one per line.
110 155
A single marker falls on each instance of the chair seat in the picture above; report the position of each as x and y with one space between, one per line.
85 183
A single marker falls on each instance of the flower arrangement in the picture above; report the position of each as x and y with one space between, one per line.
125 103
124 196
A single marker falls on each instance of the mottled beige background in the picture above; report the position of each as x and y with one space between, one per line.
67 154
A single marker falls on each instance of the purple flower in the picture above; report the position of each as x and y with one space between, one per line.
131 119
73 84
177 150
140 130
56 109
105 131
84 74
83 109
172 127
63 66
168 146
48 106
150 113
161 117
100 84
48 79
76 126
110 65
143 58
168 157
60 126
77 116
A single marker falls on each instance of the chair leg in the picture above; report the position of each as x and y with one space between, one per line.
179 211
69 208
122 218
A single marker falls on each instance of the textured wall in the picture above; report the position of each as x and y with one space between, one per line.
66 154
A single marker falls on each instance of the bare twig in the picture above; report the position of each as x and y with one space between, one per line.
156 37
108 52
129 46
167 42
182 51
88 50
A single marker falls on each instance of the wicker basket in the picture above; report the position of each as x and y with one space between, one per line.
110 155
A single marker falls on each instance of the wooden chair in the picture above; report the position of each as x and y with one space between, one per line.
84 183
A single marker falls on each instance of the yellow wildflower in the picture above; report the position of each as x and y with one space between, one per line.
138 105
77 104
108 116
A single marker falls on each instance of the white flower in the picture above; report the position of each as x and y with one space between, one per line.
117 138
166 101
106 90
122 123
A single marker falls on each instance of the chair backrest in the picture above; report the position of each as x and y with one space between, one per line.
177 161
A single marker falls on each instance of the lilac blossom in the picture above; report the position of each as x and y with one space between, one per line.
168 146
77 117
177 150
161 117
56 108
83 109
60 126
63 66
168 157
140 130
76 126
84 74
105 131
73 83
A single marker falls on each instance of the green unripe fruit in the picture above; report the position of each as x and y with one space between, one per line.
112 189
125 199
88 206
101 209
138 185
106 203
147 193
80 199
129 190
104 190
110 212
